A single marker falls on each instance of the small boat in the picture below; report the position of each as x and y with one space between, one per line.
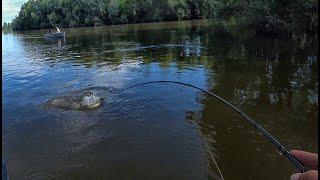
55 35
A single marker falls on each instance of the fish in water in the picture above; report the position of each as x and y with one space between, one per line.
87 99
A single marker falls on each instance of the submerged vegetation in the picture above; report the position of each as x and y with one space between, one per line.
266 15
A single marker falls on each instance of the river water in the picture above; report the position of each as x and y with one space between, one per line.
157 131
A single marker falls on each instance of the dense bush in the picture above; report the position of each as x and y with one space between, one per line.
274 15
36 14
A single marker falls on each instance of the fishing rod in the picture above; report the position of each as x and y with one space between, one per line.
275 142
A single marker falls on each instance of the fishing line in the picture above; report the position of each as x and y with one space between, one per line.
213 159
275 142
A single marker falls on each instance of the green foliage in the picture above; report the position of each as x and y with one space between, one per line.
269 15
38 14
53 18
275 15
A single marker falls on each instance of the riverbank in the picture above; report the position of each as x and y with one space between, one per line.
270 16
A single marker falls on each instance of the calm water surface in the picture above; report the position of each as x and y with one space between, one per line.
156 131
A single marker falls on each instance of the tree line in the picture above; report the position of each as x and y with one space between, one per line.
38 14
6 27
269 15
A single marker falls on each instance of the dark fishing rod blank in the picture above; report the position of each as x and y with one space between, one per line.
275 142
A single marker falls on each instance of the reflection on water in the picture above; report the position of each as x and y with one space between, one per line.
156 130
56 41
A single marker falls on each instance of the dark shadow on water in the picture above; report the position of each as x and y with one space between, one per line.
56 41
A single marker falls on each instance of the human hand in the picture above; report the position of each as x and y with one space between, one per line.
310 160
